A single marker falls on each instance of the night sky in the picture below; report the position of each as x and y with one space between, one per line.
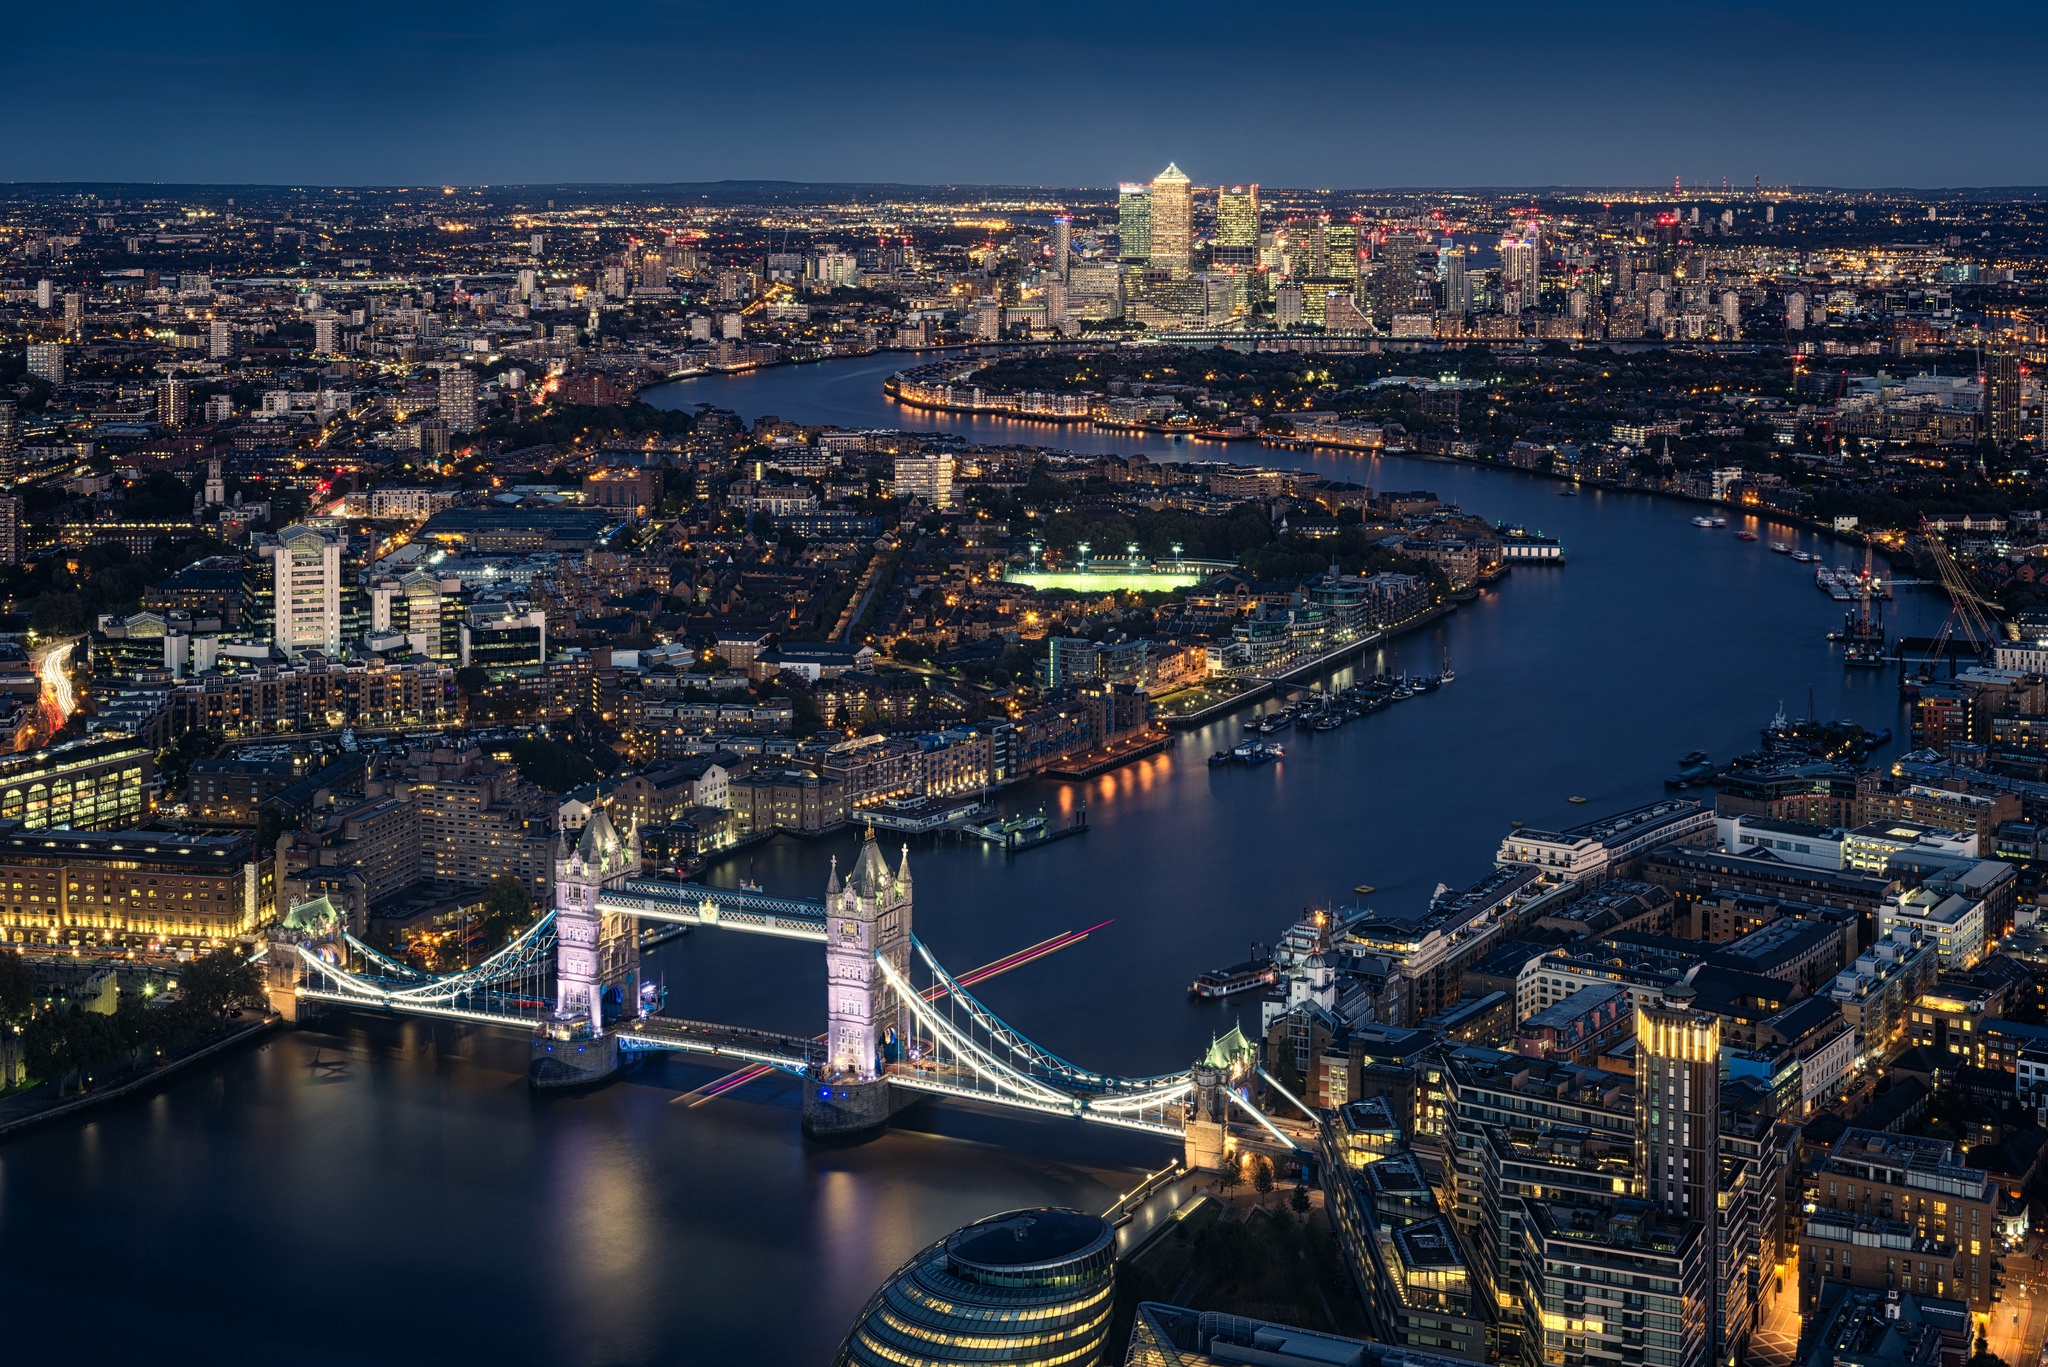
1303 94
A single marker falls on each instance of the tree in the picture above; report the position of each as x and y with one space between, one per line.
551 765
212 983
506 907
1262 1177
17 988
1299 1200
1231 1177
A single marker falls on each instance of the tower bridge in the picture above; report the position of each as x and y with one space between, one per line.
898 1025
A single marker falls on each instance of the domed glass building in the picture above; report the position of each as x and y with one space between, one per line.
1027 1286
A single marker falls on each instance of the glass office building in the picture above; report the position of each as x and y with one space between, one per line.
1028 1286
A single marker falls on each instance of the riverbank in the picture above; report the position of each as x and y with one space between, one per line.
28 1109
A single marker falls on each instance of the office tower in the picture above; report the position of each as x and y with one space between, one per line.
2002 391
220 339
306 591
46 295
1340 240
10 443
74 315
1457 286
1133 223
1062 244
46 361
458 398
1237 217
173 402
1795 312
219 408
1172 220
327 335
1311 248
1518 274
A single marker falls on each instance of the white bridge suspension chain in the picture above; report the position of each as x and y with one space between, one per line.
984 1063
1040 1056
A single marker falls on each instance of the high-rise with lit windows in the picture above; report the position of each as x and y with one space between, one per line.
1172 220
1134 224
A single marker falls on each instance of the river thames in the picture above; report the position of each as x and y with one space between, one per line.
385 1192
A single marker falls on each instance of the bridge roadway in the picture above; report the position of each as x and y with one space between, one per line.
790 1053
690 904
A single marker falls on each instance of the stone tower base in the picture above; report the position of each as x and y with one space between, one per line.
574 1062
849 1110
1205 1147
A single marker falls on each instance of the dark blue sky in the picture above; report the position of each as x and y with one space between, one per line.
1308 93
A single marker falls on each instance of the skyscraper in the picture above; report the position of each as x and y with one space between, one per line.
1062 244
1518 274
1450 269
74 314
305 567
220 339
1237 224
1341 241
458 398
1237 216
1393 278
1172 220
2002 392
1134 224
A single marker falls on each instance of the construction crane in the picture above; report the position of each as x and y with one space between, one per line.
1967 608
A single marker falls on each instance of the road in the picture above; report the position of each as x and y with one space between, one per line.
1776 1340
2019 1317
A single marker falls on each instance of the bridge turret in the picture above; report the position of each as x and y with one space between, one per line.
867 919
595 952
1208 1124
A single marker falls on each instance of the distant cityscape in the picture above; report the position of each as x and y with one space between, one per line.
389 629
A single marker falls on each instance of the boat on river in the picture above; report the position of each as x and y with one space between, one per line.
1703 521
1248 976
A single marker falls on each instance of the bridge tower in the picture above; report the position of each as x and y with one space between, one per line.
1208 1116
596 953
866 918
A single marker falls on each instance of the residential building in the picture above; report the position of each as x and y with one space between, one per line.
1924 1185
306 587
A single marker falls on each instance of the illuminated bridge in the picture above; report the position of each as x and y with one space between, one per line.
898 1024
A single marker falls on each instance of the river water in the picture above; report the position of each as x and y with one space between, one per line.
375 1191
